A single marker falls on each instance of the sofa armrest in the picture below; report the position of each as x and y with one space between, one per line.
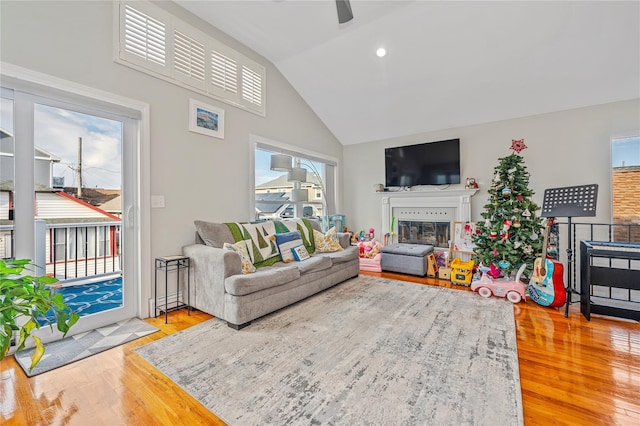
210 266
226 262
345 239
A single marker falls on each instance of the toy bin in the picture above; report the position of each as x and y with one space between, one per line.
462 272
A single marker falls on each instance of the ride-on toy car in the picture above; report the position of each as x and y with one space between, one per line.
513 290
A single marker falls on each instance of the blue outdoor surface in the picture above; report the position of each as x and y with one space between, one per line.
91 298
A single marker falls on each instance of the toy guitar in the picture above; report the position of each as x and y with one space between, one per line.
546 287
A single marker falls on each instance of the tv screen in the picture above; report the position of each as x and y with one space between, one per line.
432 163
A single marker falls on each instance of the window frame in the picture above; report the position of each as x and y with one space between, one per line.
330 169
613 169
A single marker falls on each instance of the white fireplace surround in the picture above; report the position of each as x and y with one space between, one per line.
455 202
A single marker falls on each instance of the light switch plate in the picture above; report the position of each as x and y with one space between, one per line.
157 201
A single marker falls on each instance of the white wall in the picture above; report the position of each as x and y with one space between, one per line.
565 148
200 177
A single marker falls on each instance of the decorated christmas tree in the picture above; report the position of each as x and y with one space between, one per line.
510 233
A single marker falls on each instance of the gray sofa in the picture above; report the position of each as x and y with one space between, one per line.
219 288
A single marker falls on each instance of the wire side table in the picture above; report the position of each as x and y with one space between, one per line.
169 264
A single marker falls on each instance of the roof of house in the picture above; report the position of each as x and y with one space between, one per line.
282 182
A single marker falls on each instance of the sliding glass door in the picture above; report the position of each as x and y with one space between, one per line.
67 191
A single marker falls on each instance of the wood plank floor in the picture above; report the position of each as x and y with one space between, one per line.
573 372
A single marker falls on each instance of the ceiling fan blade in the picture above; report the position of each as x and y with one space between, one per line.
344 11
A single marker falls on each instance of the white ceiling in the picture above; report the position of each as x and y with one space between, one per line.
449 64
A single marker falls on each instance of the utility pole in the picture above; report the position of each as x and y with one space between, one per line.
79 167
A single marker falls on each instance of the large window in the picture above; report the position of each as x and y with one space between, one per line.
157 43
306 190
625 181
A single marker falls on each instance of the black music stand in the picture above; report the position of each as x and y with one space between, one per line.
571 201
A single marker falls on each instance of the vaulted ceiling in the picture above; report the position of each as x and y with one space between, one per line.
448 64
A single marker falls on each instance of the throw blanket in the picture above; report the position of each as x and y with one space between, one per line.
260 242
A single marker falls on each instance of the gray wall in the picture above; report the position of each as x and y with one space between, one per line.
565 148
200 177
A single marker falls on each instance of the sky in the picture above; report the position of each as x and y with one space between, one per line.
57 131
263 167
627 150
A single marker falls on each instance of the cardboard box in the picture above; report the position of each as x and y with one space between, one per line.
444 273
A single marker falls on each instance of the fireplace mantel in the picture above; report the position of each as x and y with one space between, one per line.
459 199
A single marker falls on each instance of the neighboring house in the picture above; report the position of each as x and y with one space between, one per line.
80 239
43 162
626 203
75 237
281 184
113 206
279 190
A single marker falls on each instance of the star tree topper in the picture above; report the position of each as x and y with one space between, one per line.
518 145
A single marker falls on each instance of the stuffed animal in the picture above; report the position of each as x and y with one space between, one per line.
369 249
471 183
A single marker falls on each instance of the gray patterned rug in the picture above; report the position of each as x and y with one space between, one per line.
74 348
370 351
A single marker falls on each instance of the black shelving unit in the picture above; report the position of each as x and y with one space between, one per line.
610 266
169 264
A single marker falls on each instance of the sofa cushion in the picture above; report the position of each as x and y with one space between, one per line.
346 255
285 242
267 277
213 234
314 263
241 248
327 243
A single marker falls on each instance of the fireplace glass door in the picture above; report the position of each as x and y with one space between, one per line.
436 234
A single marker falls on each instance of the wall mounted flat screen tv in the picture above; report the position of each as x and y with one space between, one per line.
431 163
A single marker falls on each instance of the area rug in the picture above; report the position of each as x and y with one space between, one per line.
369 351
82 345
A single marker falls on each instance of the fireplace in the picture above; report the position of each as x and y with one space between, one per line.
425 217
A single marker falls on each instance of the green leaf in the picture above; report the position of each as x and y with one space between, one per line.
37 354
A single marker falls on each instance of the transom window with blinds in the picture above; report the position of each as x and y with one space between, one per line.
155 42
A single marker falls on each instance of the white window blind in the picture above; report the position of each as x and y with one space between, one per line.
224 72
154 42
188 57
144 36
251 86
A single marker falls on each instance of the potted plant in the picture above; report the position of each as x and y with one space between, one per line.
28 297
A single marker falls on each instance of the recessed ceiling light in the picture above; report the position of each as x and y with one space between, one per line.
381 52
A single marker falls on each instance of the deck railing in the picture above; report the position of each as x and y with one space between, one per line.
82 250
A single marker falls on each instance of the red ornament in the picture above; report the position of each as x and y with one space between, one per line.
518 145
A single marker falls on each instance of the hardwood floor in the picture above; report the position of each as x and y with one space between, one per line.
572 371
